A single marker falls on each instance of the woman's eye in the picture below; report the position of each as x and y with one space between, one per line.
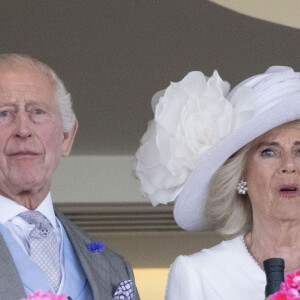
267 153
298 152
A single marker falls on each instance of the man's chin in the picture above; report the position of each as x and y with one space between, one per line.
26 184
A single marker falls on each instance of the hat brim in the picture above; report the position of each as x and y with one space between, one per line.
189 209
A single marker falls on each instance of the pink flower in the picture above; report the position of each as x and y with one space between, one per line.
281 295
293 280
289 290
283 286
40 295
290 294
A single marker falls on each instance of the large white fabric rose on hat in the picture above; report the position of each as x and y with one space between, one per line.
190 117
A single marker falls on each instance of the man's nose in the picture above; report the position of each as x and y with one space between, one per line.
288 165
22 130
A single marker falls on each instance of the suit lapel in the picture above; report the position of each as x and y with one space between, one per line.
95 265
9 276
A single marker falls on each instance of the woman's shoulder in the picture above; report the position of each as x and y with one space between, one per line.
226 250
229 257
228 263
223 256
200 274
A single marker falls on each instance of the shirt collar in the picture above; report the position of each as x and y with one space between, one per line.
10 209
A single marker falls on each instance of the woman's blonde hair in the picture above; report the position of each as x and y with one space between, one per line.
230 212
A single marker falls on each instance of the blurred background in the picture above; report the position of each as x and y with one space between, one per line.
113 56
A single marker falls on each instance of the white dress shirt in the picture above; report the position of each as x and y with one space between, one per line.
20 229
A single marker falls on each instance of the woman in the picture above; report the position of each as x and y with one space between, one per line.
231 162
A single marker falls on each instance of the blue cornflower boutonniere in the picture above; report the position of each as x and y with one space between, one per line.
96 247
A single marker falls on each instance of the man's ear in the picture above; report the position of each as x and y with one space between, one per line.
69 139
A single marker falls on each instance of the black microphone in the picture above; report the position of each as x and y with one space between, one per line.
274 268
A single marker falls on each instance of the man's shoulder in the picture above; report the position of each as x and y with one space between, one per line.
75 233
104 264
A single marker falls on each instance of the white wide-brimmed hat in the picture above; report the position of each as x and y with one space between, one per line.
197 126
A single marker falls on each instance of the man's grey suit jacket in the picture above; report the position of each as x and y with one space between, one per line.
104 270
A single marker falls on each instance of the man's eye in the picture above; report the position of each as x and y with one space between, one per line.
38 115
4 113
6 117
38 111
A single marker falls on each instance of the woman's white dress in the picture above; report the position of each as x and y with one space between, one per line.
226 271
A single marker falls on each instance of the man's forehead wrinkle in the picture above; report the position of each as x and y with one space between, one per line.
20 104
28 102
24 84
22 88
9 99
32 90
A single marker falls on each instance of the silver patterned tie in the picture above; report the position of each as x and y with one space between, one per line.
43 246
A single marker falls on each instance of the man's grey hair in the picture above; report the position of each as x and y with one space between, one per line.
62 96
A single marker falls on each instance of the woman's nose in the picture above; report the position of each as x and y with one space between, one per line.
288 165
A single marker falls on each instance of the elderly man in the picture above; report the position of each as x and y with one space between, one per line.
39 247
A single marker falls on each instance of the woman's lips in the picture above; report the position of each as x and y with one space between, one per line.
289 190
